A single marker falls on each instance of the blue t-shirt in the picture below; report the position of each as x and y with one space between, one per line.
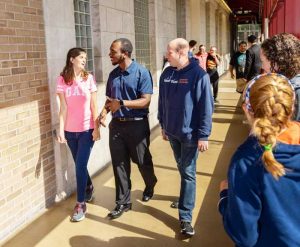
238 61
130 84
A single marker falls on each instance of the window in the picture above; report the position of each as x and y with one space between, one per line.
180 18
141 23
83 30
244 30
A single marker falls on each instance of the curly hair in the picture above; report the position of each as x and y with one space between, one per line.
283 52
271 98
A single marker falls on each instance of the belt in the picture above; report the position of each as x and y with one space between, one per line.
127 119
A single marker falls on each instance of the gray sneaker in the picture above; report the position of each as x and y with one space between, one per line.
174 204
89 193
186 228
79 212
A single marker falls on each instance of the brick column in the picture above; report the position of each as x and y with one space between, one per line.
27 171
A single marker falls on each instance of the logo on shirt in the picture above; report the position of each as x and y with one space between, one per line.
241 62
170 80
74 91
77 90
183 81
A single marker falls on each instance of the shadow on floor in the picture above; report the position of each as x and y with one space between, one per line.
88 241
208 226
209 219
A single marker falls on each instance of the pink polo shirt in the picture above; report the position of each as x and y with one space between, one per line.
78 98
202 60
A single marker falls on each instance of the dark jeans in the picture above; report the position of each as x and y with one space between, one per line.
214 80
186 154
130 140
80 144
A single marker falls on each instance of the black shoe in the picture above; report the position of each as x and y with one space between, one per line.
186 228
174 204
147 197
119 210
89 191
148 193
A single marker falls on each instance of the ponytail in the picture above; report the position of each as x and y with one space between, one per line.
270 99
266 134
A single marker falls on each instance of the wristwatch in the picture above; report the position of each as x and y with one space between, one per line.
121 103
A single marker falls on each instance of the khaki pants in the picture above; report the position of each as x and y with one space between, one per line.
240 85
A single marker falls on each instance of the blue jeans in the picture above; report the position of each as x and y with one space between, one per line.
186 154
80 144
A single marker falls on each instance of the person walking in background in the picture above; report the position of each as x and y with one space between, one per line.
128 90
237 63
78 125
253 62
213 61
281 54
192 48
165 63
259 202
201 55
185 115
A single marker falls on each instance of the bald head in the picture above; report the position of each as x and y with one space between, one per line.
179 44
177 52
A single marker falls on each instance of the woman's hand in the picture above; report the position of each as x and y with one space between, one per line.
61 137
96 134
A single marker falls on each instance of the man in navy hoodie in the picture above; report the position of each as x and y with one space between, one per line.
185 115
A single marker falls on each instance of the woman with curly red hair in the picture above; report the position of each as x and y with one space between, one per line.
281 54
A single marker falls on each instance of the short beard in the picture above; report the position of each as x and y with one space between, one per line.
120 60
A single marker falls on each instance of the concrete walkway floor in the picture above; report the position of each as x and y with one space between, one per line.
153 223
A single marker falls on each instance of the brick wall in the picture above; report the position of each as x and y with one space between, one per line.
27 175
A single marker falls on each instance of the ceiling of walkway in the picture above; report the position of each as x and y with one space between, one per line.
246 10
252 5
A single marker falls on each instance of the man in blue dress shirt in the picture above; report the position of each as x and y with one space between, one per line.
129 88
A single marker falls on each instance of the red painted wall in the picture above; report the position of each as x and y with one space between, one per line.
285 18
292 21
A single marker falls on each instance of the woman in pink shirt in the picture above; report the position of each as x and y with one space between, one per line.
201 55
78 125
